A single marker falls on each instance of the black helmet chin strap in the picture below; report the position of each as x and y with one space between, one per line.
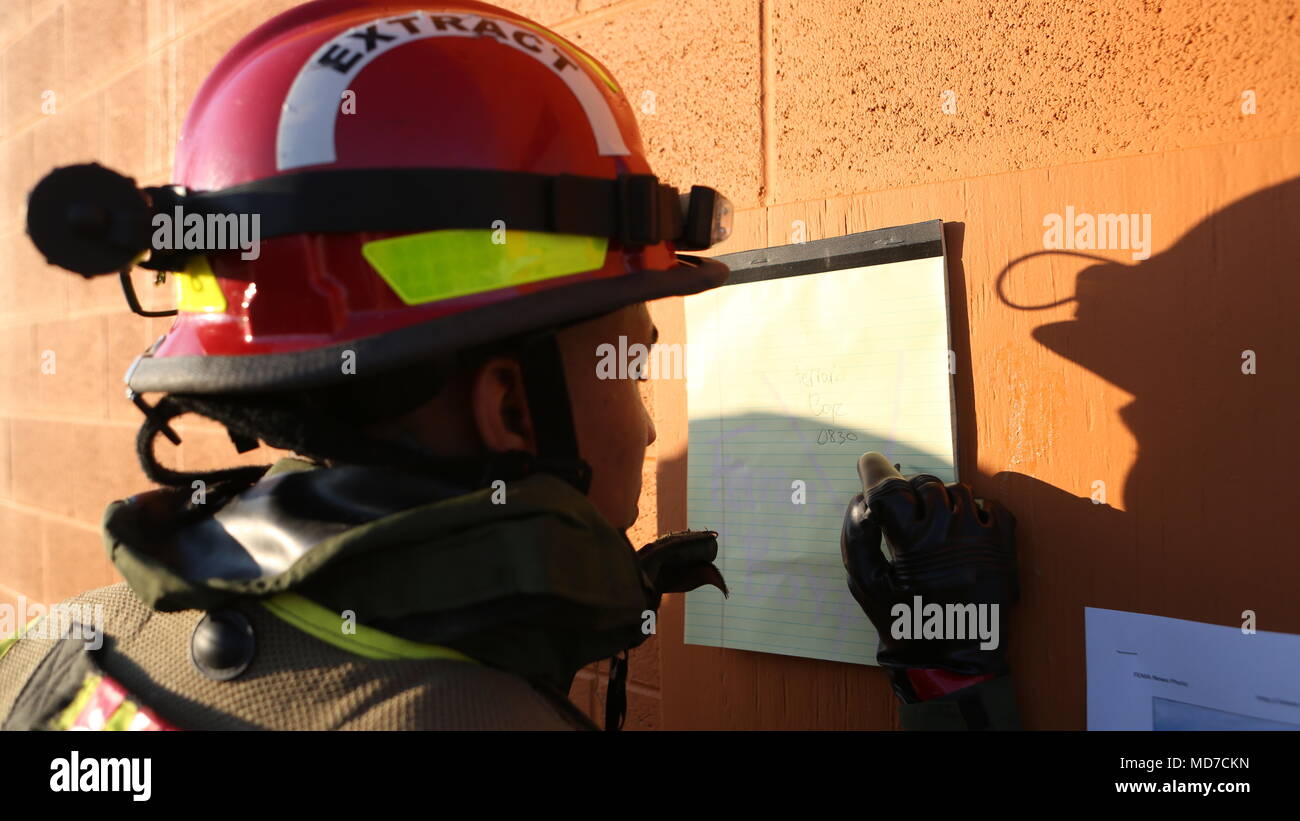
557 453
545 391
552 415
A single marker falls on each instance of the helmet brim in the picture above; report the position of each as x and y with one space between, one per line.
430 341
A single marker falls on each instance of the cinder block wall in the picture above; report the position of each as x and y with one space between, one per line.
820 117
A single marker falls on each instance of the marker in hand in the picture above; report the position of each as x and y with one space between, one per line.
874 468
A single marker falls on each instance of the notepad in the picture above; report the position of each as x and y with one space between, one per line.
792 374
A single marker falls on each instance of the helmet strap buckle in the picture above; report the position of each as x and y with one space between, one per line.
158 420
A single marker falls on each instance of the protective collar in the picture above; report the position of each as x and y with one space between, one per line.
528 577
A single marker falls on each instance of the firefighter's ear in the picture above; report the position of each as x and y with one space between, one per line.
500 407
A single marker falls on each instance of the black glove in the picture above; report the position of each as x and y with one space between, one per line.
947 552
680 562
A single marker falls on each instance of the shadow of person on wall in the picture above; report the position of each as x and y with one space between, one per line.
1204 337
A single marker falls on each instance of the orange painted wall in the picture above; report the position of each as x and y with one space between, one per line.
831 114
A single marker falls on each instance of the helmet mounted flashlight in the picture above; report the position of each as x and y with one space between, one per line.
91 220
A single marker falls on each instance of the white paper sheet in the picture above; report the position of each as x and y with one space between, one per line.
1155 673
792 379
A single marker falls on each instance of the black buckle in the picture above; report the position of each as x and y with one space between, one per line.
154 416
699 207
638 209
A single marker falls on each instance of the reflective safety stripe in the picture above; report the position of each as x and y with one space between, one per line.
437 265
198 289
102 704
367 642
123 718
74 709
7 644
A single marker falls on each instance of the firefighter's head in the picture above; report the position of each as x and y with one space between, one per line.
453 210
484 408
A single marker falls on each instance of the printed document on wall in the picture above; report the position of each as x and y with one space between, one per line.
1156 673
789 380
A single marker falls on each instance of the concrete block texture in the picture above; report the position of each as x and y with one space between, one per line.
859 89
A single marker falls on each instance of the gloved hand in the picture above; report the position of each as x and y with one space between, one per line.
946 551
681 561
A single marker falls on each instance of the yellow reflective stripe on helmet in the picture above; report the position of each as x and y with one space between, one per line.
70 713
582 55
326 625
437 265
198 291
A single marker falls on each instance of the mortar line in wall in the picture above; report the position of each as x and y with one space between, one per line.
9 454
595 16
768 115
14 594
105 422
12 321
19 34
766 85
17 231
182 428
113 78
1049 168
42 513
30 319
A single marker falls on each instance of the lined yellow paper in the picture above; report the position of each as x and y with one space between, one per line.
789 381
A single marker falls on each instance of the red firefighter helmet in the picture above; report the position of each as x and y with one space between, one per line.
415 179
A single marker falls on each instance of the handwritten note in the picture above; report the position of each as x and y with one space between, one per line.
789 381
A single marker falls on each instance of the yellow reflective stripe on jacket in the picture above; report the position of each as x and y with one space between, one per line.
8 643
72 712
326 625
103 704
123 717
